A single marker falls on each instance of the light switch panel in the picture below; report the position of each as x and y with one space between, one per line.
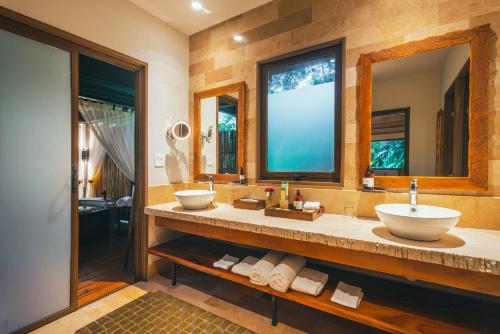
159 160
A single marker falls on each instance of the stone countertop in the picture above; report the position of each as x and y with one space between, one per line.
465 248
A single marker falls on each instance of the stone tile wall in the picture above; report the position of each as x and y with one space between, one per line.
283 26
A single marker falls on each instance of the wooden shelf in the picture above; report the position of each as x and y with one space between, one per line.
387 305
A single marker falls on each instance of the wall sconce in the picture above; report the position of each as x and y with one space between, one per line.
180 130
207 138
85 155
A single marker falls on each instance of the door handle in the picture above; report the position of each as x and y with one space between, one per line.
74 180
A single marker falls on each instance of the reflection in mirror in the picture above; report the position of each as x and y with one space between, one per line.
226 133
219 150
420 118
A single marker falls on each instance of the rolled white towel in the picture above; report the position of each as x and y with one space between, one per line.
226 262
124 201
243 268
309 281
285 272
311 206
261 271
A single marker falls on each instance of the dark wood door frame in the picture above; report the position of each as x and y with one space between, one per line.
41 32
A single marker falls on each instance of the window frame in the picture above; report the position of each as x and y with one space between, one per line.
335 49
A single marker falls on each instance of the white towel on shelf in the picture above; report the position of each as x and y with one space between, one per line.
243 268
226 262
347 295
309 281
285 272
261 271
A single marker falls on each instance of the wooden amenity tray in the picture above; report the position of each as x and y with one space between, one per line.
275 211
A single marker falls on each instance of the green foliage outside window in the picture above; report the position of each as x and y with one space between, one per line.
387 154
315 73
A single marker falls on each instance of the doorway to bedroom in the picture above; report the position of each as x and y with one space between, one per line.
106 178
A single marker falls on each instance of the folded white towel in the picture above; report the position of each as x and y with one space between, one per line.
243 268
311 206
309 281
261 271
285 272
347 295
226 262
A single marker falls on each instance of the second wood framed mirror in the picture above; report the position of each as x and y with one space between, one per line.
424 112
219 132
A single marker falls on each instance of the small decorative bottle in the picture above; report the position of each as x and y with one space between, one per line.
298 203
369 179
242 176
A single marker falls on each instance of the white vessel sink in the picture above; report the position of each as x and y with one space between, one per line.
195 199
429 223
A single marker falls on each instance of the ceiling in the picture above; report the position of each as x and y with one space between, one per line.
180 15
413 65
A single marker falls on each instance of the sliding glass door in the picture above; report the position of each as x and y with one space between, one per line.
35 181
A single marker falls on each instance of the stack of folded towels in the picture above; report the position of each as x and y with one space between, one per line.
243 268
310 281
226 262
347 295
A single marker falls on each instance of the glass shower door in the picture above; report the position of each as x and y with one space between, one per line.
35 181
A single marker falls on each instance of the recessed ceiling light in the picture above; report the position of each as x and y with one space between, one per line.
196 5
238 38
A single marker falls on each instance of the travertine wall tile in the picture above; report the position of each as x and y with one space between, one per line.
284 26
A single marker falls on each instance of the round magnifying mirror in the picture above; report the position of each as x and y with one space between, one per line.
180 130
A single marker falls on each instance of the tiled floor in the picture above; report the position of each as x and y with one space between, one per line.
244 306
159 312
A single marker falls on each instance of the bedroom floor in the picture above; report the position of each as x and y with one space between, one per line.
228 300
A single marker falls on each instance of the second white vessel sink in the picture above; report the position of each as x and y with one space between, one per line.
428 223
195 199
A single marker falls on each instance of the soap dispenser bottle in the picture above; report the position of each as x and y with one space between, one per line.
369 179
242 175
298 203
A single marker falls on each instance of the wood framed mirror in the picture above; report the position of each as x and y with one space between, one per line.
219 132
424 112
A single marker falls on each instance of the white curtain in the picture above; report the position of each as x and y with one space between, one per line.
96 156
114 129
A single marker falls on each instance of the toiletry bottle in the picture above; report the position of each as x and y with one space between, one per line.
242 176
284 195
369 179
298 203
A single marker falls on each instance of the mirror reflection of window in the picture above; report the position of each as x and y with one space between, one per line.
227 136
390 142
434 88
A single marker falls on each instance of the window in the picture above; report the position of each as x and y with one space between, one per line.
301 116
390 142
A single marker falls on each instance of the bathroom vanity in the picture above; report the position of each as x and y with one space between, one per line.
465 261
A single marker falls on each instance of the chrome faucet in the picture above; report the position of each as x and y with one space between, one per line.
210 183
413 197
